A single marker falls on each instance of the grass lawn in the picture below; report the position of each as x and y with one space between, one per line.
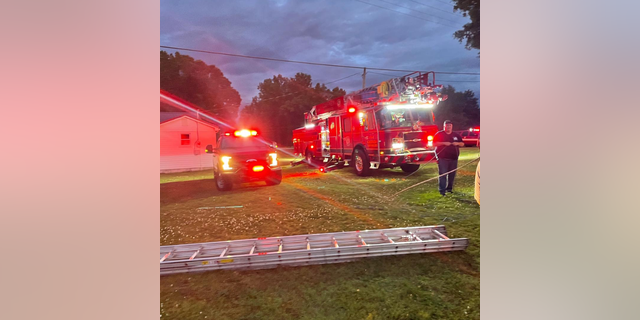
418 286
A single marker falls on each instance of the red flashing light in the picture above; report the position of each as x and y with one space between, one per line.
430 138
321 169
311 147
245 133
227 134
352 110
258 168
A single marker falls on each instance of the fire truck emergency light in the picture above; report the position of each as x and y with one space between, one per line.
409 106
352 110
245 133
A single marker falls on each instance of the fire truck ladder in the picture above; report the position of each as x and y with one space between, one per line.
303 250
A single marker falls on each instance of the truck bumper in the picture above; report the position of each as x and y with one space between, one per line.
410 157
248 175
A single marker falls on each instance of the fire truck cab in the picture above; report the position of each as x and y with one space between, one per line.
385 126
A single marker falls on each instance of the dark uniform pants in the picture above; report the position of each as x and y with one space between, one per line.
445 183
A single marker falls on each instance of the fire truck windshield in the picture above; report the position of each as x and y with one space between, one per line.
397 118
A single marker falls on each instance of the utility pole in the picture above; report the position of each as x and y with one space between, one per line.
364 77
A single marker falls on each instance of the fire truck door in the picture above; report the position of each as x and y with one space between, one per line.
369 133
359 127
335 140
324 139
347 132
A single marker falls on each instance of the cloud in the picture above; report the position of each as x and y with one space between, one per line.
334 32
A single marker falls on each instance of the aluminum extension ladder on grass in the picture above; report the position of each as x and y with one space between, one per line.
305 249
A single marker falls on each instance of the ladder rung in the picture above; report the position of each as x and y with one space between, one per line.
414 235
362 240
440 234
386 237
195 253
308 245
335 243
280 246
224 251
166 255
253 248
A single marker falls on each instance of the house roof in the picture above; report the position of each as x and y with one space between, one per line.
171 116
170 110
166 116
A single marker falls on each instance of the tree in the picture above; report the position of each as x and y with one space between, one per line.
461 107
470 31
201 84
281 103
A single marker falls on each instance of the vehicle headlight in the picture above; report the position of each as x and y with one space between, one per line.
225 163
273 159
397 143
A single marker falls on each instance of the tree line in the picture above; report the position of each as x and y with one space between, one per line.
281 102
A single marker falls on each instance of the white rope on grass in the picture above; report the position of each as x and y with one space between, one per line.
434 158
425 181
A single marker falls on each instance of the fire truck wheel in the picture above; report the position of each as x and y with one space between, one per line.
410 167
274 179
222 183
309 158
361 162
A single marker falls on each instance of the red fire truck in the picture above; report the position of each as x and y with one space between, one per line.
387 125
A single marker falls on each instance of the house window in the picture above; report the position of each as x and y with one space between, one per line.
184 139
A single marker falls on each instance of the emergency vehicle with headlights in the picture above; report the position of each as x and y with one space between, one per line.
387 125
242 156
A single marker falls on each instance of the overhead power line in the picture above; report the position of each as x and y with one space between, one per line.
386 74
305 89
434 8
357 73
422 11
445 2
439 80
406 14
312 63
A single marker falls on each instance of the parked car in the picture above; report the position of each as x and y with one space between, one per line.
470 137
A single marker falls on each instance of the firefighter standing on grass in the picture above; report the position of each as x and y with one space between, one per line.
447 145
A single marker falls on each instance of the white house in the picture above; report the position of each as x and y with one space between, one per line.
183 139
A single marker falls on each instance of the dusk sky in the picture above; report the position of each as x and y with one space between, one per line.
345 32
